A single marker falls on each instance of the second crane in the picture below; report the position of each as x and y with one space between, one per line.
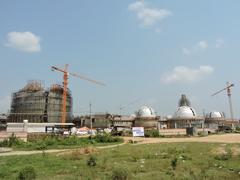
228 88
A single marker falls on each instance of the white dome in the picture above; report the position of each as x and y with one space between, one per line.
185 112
215 114
145 111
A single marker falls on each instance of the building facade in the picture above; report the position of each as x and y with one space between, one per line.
35 104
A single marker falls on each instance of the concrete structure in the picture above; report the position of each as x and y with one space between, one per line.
36 127
98 121
123 122
214 119
3 121
36 104
146 117
185 116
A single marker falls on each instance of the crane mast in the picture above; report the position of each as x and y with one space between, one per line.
229 94
66 73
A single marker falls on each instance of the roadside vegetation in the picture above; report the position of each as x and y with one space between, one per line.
53 141
150 161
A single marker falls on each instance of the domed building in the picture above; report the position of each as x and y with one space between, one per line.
185 112
185 116
214 119
146 112
146 117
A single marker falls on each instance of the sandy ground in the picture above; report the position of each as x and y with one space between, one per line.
224 138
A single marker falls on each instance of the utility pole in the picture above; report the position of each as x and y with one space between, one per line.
90 114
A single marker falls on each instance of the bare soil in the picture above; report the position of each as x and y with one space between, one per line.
223 138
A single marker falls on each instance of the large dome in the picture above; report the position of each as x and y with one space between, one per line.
145 111
216 114
185 112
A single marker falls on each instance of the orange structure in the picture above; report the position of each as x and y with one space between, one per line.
65 84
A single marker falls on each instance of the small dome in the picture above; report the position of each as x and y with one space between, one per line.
215 114
185 112
145 111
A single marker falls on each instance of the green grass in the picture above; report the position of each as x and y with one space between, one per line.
143 162
51 141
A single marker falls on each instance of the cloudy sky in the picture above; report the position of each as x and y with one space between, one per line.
147 52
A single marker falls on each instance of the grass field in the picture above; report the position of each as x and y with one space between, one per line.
52 141
149 161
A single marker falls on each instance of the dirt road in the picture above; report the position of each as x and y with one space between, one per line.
12 153
224 138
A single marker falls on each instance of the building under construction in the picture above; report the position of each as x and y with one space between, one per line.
37 104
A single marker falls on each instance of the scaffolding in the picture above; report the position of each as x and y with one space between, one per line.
36 104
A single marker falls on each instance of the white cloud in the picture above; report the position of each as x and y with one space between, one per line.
136 6
158 30
219 43
202 45
23 41
186 51
148 16
5 104
185 74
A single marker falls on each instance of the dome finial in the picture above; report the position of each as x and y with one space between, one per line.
184 101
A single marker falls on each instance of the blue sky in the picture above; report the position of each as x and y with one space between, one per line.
150 51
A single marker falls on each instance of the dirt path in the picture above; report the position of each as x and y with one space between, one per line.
12 153
224 138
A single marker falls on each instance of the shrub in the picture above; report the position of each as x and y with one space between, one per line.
41 145
11 141
106 138
27 173
92 161
152 133
127 133
225 156
119 173
174 163
132 141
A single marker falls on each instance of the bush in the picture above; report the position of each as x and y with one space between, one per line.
225 156
119 173
174 163
106 138
41 145
11 141
45 141
92 161
132 141
152 133
27 173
